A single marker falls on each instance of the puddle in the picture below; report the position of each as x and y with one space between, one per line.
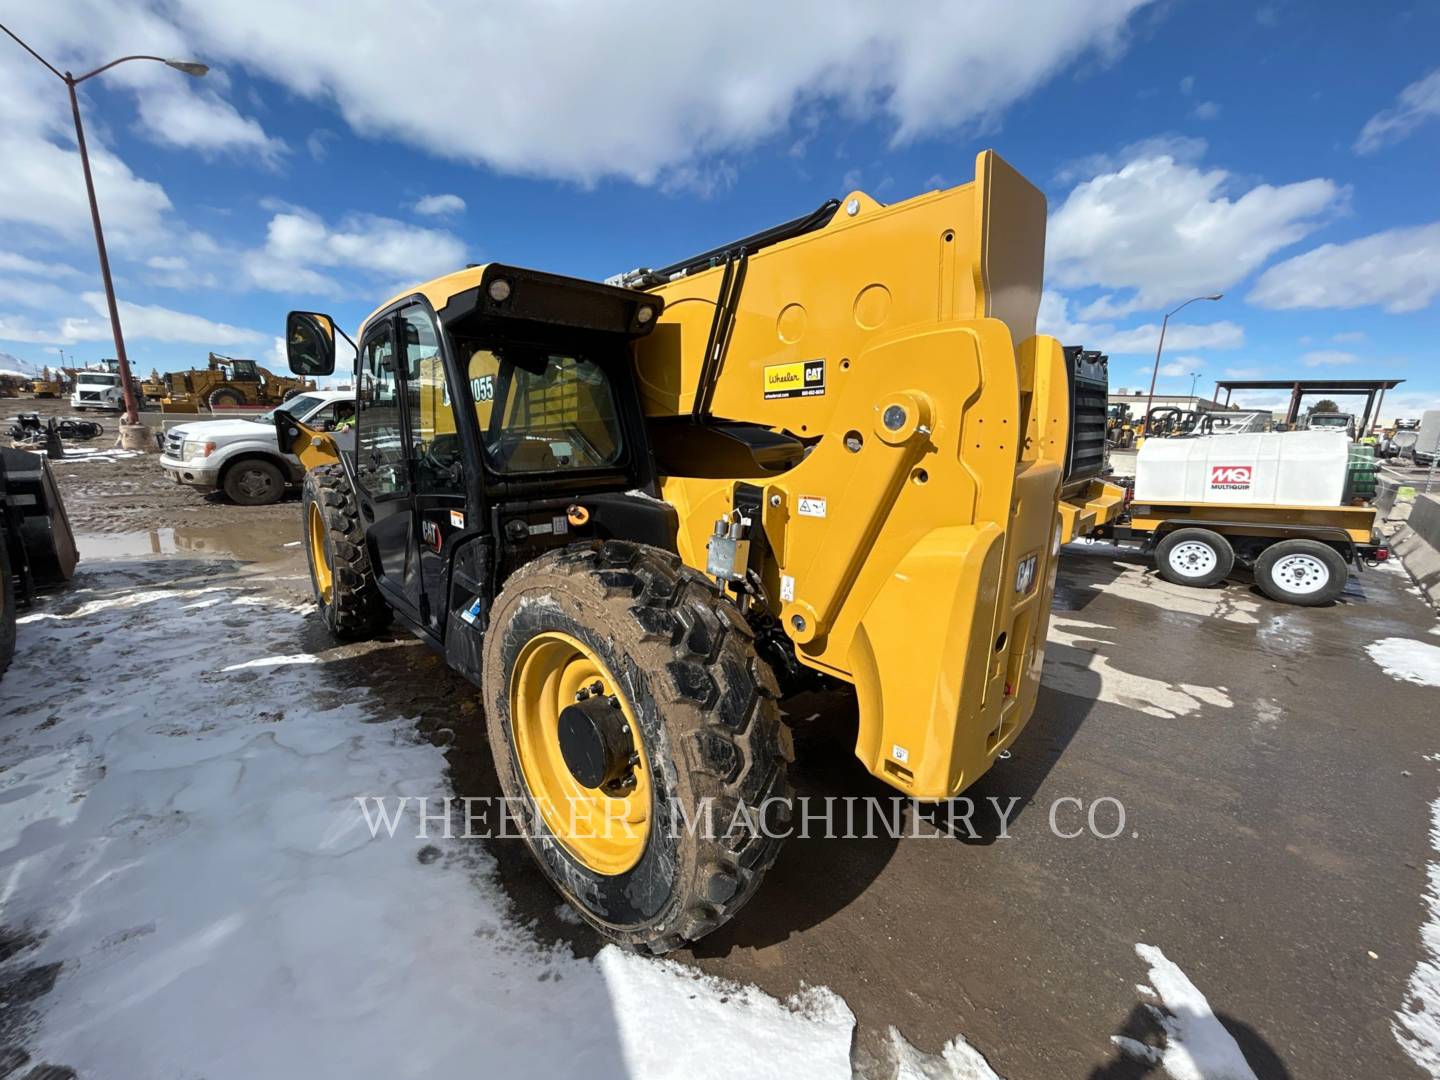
271 542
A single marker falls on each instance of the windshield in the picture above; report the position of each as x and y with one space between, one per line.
91 379
296 406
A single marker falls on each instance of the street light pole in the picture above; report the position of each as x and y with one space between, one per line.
132 411
1194 378
1150 404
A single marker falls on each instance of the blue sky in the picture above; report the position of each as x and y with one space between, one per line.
1285 153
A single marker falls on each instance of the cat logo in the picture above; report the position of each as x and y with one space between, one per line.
430 533
805 378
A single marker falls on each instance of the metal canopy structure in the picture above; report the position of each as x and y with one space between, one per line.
1300 388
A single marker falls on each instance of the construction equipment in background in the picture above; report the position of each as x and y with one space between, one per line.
11 385
37 545
1119 427
834 452
227 382
154 388
50 384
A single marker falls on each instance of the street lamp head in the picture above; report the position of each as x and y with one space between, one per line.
1216 296
189 67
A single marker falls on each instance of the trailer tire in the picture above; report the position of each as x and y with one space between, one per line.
1303 572
346 591
1196 557
7 605
679 664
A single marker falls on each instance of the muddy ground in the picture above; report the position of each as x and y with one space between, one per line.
1276 786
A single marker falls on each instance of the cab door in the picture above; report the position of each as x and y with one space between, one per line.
382 471
436 454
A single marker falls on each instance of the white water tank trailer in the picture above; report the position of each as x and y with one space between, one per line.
1291 468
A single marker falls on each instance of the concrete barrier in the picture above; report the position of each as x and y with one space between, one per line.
1417 542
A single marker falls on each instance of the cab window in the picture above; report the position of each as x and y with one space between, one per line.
380 453
433 442
541 410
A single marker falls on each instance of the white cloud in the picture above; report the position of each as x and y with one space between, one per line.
1328 358
1350 337
205 123
15 263
1398 269
1173 368
1244 373
1417 103
140 322
302 253
1187 85
711 84
1166 230
1054 319
440 205
1207 110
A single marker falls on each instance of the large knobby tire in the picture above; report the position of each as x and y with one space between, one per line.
7 606
222 396
345 588
254 482
1197 557
1303 572
680 662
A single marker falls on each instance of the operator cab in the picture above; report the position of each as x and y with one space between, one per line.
497 416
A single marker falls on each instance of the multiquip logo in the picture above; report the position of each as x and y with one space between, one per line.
1230 477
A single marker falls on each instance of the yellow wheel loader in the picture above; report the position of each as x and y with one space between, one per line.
637 513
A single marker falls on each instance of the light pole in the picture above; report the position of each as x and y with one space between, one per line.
1194 378
1150 404
189 67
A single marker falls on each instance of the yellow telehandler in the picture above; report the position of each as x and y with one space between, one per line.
637 513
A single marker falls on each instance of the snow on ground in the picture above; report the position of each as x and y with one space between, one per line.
1082 671
958 1060
1417 1027
1197 1046
1407 659
185 841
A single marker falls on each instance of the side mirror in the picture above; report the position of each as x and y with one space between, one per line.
310 343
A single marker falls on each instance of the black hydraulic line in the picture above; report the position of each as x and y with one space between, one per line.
816 219
721 330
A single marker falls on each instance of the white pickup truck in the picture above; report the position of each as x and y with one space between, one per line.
242 457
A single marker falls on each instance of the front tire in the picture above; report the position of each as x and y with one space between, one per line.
222 396
1196 557
1303 572
346 591
701 728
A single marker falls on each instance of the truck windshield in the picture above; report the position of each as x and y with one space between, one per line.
87 379
296 406
542 410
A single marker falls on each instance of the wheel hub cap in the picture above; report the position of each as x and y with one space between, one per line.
595 741
1301 573
1193 559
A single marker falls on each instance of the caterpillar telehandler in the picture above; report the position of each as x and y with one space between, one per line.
637 513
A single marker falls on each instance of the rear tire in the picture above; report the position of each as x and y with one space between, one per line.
346 591
7 606
254 482
1197 557
223 396
709 731
1303 572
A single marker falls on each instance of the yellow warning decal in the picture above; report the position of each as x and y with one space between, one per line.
800 378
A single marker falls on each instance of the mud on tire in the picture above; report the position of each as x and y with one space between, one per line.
354 609
710 724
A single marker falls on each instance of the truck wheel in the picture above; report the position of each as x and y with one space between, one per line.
1304 572
345 588
291 394
7 606
254 482
633 725
1196 557
222 396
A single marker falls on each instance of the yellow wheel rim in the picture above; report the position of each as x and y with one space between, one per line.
320 565
605 832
